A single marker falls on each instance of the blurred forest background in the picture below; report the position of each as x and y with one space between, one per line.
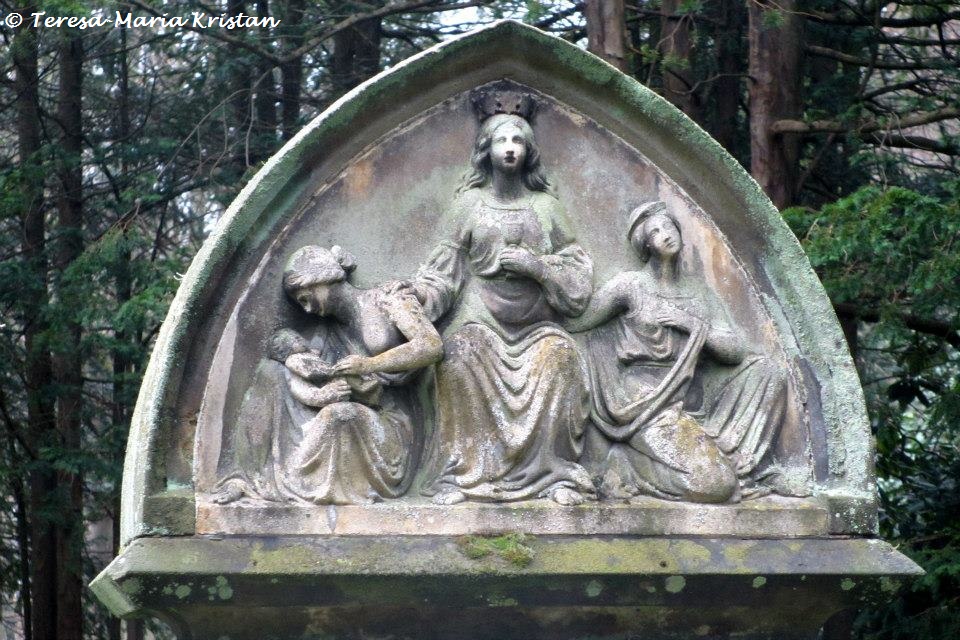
122 146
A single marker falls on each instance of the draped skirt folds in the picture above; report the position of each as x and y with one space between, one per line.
510 414
352 454
706 456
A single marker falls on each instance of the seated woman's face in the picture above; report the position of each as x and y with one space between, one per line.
314 299
660 234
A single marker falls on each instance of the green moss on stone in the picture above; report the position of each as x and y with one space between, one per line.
130 587
593 589
511 547
675 584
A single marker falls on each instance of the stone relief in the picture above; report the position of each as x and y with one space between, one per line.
667 433
544 388
333 422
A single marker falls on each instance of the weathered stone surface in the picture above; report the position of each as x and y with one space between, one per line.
722 298
771 517
305 192
429 587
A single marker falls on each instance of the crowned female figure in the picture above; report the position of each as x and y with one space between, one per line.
511 392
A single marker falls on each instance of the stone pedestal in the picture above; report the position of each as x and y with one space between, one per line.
529 588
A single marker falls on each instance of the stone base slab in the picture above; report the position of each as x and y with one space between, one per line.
769 517
435 587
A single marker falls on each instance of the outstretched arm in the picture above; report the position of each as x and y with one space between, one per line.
611 299
438 282
725 346
722 343
423 347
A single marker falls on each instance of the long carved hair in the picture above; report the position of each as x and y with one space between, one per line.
532 172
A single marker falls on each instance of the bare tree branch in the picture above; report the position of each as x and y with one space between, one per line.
388 10
921 143
931 327
846 58
867 126
215 34
864 21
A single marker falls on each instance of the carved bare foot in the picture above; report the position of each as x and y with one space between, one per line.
230 493
567 497
451 496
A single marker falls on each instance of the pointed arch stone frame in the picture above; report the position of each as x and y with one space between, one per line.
157 515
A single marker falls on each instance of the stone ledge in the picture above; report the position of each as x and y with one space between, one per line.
428 588
770 517
552 555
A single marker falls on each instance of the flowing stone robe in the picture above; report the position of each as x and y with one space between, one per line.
267 426
511 391
354 452
677 434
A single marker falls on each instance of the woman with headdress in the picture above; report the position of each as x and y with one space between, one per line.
359 441
655 329
511 396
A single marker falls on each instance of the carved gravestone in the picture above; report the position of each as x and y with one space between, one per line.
500 346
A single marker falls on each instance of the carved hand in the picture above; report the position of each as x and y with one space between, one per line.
309 366
671 316
336 391
521 261
400 287
353 366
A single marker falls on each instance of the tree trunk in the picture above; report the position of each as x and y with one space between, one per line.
775 45
725 91
356 55
123 292
38 368
23 540
265 98
291 73
67 359
676 47
238 93
606 31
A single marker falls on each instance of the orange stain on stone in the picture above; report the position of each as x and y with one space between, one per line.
359 177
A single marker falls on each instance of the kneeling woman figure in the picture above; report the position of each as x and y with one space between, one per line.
655 329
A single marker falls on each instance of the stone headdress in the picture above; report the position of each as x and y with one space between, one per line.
312 265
